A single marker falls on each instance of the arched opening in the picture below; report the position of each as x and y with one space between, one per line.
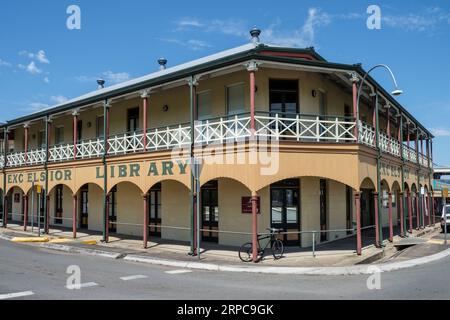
414 198
367 190
60 206
15 202
225 205
89 211
125 204
309 209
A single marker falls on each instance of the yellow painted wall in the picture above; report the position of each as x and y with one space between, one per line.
130 207
175 210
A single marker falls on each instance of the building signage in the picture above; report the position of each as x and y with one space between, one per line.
165 168
57 175
390 170
247 205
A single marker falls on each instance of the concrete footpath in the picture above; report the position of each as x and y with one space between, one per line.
215 258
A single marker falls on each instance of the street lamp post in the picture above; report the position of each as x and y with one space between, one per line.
395 92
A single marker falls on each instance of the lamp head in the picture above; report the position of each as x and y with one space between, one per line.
397 92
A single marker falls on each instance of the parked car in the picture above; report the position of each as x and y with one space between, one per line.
445 215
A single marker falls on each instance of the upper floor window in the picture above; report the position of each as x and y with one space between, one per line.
236 99
59 135
41 139
133 120
100 126
204 105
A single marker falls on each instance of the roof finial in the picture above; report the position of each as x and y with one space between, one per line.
255 33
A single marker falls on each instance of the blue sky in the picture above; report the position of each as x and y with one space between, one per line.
43 63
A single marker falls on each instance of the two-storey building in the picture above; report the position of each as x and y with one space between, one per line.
283 141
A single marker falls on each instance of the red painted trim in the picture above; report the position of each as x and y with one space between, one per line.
410 212
25 213
391 224
402 215
289 55
252 102
417 211
355 106
75 135
195 224
26 144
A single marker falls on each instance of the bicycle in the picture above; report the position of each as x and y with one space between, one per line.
276 245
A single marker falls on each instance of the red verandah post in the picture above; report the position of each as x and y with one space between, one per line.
358 223
377 221
74 216
255 228
391 224
402 223
145 227
25 213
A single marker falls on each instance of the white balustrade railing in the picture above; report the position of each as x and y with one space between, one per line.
2 161
167 138
126 143
60 153
221 130
36 157
90 149
367 134
300 128
15 159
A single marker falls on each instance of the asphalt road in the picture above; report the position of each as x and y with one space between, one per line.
41 274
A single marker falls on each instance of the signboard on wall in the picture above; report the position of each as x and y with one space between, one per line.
247 205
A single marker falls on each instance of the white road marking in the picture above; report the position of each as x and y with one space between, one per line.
83 285
178 271
137 277
16 295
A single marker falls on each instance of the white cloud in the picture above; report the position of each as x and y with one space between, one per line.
4 63
441 132
31 68
301 37
58 99
188 22
46 80
116 77
109 76
428 19
192 44
40 56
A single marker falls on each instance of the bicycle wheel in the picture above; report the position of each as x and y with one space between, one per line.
245 252
277 249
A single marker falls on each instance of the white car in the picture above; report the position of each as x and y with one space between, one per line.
445 215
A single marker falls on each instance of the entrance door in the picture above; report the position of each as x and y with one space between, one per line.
154 208
210 211
367 208
84 208
285 210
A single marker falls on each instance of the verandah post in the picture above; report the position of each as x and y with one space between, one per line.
358 223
